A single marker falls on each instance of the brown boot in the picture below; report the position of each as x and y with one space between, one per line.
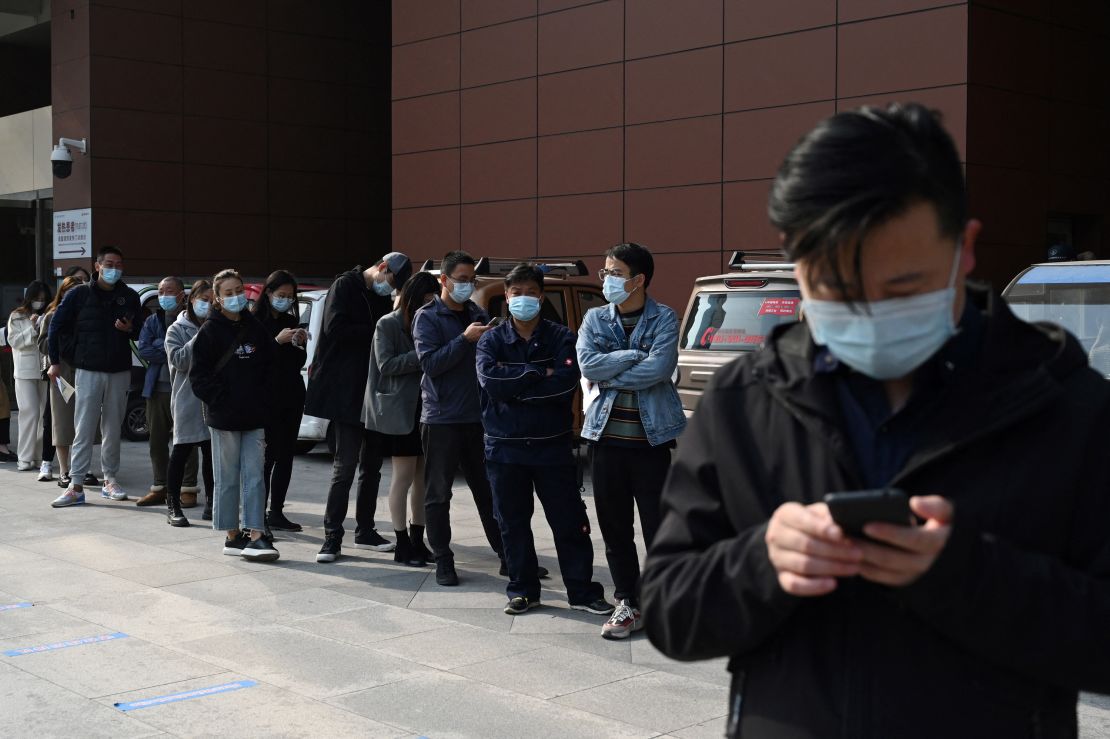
188 497
156 496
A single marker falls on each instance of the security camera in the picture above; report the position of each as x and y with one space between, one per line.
61 160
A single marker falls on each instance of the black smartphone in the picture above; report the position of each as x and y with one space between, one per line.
495 321
852 510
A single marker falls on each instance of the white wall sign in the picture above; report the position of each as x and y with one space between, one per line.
72 233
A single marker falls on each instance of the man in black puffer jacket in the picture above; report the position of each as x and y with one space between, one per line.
989 614
93 329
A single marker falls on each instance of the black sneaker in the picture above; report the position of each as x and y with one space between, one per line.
445 572
373 540
234 547
276 520
260 550
8 456
63 482
541 572
90 481
519 605
601 607
333 545
207 515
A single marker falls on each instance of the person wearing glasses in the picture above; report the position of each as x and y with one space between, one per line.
629 351
445 333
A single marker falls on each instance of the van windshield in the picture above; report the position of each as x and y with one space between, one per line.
1074 297
737 321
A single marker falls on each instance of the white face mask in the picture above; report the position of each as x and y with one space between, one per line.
886 339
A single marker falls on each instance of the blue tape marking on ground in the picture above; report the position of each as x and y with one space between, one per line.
187 695
13 606
64 644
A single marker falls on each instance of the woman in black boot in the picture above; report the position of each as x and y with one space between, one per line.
189 429
277 310
392 409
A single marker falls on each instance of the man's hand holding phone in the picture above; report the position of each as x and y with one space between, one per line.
475 331
124 324
902 554
809 549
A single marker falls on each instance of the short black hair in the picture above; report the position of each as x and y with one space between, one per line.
637 257
524 272
858 169
106 250
453 259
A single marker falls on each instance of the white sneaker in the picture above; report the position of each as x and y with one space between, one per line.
112 491
25 466
45 474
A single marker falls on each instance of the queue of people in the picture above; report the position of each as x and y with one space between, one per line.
406 367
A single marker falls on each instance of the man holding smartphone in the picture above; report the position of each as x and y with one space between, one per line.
986 616
446 334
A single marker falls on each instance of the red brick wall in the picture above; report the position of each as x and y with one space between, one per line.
557 128
248 134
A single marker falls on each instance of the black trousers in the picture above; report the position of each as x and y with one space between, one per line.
624 478
354 447
175 474
513 503
47 435
447 447
281 447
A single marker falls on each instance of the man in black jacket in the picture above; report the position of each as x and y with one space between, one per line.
93 329
337 382
988 614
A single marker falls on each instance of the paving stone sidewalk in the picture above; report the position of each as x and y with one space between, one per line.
360 648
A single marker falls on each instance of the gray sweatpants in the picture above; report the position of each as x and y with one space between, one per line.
101 396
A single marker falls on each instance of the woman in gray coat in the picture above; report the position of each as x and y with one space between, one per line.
391 408
189 428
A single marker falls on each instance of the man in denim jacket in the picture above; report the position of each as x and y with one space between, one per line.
628 351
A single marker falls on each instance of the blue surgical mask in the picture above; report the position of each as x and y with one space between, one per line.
281 304
383 288
886 339
524 307
234 303
167 302
201 307
461 291
613 289
111 275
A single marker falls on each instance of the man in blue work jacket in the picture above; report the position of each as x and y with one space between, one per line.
528 372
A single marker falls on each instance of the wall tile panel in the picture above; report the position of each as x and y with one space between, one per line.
426 67
663 26
582 99
579 224
673 86
499 53
674 219
581 37
500 229
499 112
675 153
796 68
746 19
431 178
756 142
580 162
429 122
499 171
413 21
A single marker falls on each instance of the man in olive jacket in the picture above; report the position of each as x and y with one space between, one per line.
988 614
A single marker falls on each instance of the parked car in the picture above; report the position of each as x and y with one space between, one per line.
1074 295
729 315
569 292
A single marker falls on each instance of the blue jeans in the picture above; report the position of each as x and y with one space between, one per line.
513 502
239 458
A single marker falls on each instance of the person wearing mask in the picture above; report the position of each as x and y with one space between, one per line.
391 409
31 390
528 375
231 374
277 310
985 597
336 387
93 329
445 333
156 390
60 410
629 350
191 436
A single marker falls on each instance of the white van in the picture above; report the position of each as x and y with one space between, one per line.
1074 295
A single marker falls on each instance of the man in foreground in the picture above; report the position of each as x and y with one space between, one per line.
987 614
